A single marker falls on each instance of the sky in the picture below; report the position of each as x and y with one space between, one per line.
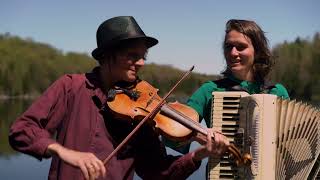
190 32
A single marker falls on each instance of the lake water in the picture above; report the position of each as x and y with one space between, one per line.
16 166
20 166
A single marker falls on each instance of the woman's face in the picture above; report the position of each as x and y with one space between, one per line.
128 62
239 55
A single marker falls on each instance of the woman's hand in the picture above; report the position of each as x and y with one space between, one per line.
217 145
90 165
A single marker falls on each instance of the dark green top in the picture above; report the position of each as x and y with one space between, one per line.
202 98
201 101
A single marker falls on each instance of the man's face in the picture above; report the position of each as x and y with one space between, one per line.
128 62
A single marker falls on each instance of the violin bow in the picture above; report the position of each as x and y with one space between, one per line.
151 114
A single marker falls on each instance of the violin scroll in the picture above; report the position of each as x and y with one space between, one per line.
240 160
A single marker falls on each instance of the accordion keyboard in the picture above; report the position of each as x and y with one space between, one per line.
225 114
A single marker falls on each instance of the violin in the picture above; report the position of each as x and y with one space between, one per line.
176 121
136 103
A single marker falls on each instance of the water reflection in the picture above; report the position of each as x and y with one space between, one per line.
9 111
21 166
15 165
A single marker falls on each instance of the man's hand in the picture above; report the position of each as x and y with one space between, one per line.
216 146
90 165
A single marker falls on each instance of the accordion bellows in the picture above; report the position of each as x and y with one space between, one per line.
282 136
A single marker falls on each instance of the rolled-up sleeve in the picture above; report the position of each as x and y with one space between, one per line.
33 131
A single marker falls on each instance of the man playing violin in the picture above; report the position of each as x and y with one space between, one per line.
74 109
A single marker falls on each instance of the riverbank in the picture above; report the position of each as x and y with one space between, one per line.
26 97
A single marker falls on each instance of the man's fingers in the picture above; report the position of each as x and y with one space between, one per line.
222 143
91 170
84 171
102 168
97 168
209 140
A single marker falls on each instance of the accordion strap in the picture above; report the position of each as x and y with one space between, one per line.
231 85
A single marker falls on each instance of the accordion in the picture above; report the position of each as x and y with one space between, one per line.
282 136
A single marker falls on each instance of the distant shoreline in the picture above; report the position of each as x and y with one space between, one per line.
25 97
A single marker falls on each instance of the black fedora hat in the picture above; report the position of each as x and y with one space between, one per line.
116 30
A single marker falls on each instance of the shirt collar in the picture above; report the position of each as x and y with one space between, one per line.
93 80
251 87
231 77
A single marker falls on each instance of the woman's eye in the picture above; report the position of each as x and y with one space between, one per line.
240 48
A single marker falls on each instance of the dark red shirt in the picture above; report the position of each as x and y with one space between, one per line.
67 112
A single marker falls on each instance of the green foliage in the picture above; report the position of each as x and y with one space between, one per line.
297 67
164 77
9 110
28 68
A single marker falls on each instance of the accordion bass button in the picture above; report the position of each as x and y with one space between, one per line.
249 141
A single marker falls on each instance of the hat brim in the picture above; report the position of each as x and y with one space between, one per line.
98 53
